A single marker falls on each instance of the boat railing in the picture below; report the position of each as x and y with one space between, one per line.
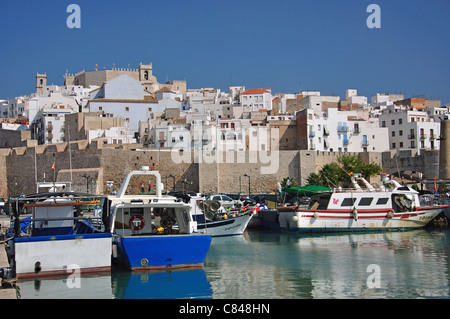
353 190
433 200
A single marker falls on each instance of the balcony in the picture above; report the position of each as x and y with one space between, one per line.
411 136
342 128
423 136
162 136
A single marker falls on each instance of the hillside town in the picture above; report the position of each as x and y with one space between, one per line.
122 106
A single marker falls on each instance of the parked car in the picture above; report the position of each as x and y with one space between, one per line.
259 198
224 200
242 199
245 200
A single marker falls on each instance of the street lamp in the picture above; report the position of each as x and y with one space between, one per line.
245 175
88 177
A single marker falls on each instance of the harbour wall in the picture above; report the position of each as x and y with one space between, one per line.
92 166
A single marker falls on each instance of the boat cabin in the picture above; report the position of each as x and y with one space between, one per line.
147 214
400 199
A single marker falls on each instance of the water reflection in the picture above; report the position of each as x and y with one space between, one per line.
176 284
263 264
278 265
96 286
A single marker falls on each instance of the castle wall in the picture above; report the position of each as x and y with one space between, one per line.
208 172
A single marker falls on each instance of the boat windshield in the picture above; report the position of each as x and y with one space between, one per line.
320 201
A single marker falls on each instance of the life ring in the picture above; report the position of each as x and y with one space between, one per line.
137 226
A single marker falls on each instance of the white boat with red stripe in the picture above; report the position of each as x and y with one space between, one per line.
391 206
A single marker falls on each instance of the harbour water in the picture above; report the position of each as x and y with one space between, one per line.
278 265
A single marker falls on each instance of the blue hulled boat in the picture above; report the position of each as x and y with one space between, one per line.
152 231
58 236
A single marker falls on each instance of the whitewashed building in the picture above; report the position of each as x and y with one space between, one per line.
410 129
340 131
256 99
124 97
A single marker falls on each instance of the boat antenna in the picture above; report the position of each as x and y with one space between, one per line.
70 158
329 182
398 170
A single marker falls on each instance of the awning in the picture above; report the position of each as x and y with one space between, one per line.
307 190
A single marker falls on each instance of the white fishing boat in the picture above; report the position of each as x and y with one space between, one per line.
391 206
214 219
218 221
154 231
60 237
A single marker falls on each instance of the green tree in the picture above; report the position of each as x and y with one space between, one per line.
443 187
335 174
328 176
351 164
284 182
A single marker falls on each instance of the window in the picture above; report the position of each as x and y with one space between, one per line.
393 133
365 201
348 202
382 201
400 133
226 199
127 108
393 145
400 121
383 124
393 122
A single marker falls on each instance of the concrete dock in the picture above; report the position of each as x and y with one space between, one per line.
5 293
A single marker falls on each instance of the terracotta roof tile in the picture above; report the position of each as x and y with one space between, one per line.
255 91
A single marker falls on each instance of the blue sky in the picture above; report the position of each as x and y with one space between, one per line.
287 45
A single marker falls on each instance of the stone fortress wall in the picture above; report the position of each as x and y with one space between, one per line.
207 173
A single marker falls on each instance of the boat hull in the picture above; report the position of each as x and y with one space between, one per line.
157 252
226 227
336 221
62 255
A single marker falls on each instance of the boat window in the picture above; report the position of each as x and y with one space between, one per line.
136 211
382 201
366 201
348 202
401 203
